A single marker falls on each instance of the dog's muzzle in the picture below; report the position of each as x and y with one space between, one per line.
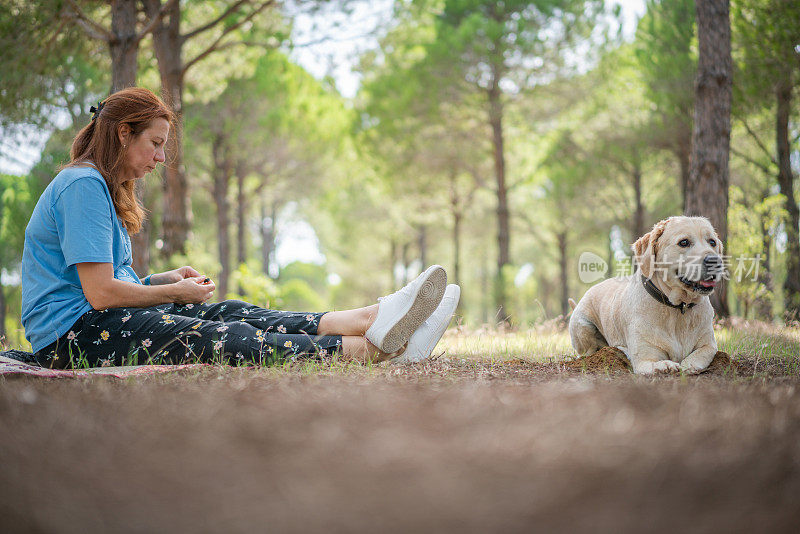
711 270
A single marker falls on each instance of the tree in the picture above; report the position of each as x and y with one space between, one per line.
170 44
15 207
767 38
123 36
49 72
499 49
423 143
707 191
269 145
664 38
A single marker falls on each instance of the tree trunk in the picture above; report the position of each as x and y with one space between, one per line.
264 227
404 260
241 211
485 289
503 232
457 217
707 189
268 235
791 287
684 154
456 212
545 288
124 50
563 272
168 46
764 302
124 45
392 262
222 174
140 241
422 241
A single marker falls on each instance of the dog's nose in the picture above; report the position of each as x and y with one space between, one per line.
712 264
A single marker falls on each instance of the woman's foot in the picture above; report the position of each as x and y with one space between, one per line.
424 340
402 313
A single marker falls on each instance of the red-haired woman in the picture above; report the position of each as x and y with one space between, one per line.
82 303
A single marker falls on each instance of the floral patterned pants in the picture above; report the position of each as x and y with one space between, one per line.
230 332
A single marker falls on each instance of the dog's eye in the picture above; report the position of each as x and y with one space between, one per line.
684 243
712 242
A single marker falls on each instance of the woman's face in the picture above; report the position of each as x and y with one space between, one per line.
145 150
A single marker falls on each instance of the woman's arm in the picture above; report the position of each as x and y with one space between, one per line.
175 275
103 291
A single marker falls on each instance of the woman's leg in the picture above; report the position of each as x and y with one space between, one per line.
351 325
336 323
348 322
120 336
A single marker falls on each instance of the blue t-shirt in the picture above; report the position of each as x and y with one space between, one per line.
74 221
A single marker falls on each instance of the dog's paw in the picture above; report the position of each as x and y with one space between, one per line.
659 367
691 367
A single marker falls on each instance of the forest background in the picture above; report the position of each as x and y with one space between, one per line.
503 140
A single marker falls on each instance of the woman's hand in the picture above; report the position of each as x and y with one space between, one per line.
103 291
192 290
173 276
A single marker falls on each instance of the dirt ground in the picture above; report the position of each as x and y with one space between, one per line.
450 445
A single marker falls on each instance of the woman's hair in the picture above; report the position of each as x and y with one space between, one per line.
98 144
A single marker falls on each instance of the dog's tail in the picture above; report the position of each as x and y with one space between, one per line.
572 304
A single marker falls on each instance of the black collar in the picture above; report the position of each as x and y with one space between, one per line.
661 297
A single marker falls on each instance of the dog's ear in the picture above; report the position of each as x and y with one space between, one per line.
645 248
642 255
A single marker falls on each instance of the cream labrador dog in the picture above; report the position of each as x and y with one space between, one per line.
660 317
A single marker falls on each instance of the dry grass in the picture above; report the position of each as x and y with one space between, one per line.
499 433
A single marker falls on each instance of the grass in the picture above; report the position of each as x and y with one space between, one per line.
760 350
535 345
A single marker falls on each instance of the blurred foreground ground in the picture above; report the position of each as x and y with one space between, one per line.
496 435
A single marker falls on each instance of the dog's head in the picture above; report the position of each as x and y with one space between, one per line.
683 256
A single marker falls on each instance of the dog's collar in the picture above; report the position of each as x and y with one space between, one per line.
661 297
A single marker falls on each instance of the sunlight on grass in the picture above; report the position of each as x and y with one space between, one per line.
766 342
491 345
773 343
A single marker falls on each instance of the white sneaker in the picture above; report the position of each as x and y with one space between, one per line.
424 340
401 313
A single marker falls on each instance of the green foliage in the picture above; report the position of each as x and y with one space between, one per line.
581 115
766 35
16 205
298 295
47 65
256 288
314 275
751 246
666 52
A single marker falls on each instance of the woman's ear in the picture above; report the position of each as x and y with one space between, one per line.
124 133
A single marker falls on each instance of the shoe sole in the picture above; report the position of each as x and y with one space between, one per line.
407 357
427 299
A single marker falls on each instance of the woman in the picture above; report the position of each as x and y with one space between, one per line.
82 303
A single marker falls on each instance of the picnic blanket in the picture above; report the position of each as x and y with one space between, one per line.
22 364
